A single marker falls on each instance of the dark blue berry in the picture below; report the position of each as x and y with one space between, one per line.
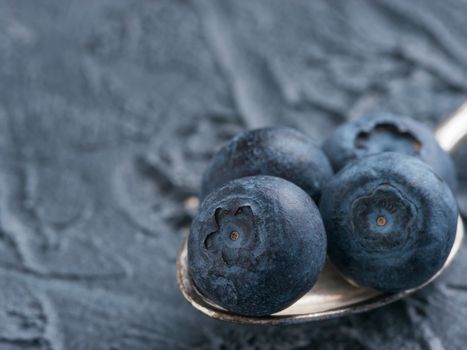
390 221
257 245
275 151
380 133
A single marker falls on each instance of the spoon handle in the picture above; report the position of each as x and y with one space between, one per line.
453 130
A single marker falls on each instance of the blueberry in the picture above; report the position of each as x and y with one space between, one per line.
390 221
257 245
275 151
379 133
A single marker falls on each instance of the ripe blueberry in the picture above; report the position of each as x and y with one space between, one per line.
379 133
275 151
390 221
257 245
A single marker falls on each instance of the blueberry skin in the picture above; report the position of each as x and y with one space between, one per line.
390 221
275 255
379 133
275 151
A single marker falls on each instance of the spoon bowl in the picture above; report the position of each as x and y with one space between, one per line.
332 295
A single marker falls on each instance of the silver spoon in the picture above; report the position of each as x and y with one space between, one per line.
332 296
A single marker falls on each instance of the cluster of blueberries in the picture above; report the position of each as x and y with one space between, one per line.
272 209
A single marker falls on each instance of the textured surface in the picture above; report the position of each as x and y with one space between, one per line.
110 110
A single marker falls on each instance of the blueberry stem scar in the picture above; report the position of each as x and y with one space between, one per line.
381 221
234 235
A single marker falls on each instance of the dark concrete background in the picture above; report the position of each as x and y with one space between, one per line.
109 111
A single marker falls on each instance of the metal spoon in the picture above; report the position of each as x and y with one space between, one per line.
332 296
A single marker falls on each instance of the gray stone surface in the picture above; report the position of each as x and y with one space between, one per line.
110 110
